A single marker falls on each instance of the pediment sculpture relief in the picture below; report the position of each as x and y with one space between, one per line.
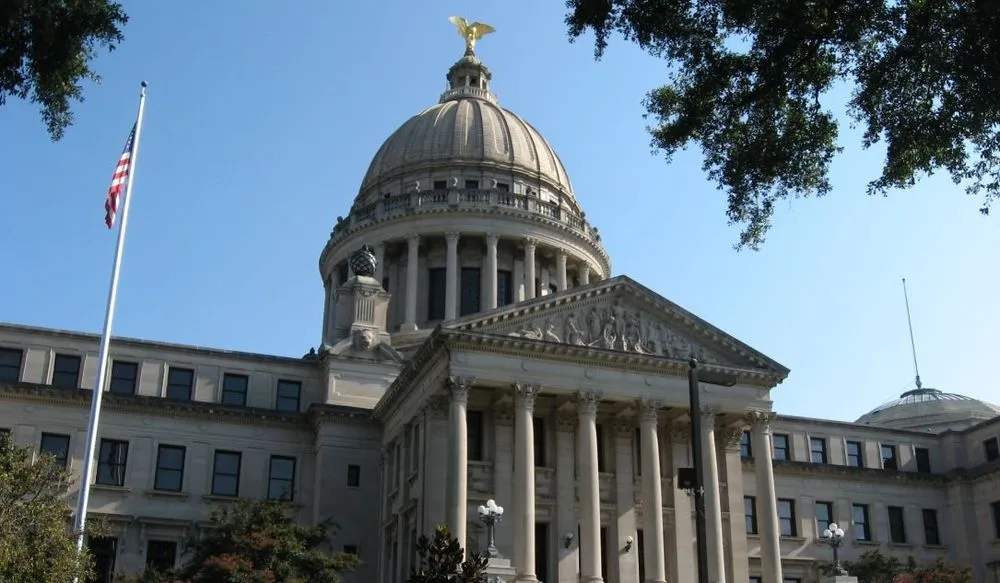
615 327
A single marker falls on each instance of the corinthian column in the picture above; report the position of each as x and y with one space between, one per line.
458 459
529 268
490 293
412 264
561 269
652 494
451 277
590 493
524 482
767 505
713 499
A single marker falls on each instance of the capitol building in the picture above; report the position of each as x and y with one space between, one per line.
476 345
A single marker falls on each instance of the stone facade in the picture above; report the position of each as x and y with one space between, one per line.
485 353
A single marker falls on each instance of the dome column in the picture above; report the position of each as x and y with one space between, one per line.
412 264
529 269
561 269
584 273
451 277
379 262
490 297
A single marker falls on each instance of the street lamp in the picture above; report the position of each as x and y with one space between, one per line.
834 536
694 403
491 514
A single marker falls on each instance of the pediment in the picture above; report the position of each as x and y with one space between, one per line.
618 315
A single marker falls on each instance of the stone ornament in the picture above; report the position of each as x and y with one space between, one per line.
459 387
586 403
364 340
730 435
616 327
526 394
363 262
648 410
761 420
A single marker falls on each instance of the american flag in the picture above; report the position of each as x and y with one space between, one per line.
119 181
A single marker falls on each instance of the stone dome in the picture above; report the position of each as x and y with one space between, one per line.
467 128
926 409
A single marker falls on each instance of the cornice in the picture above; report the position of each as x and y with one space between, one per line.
800 468
320 413
146 405
428 350
976 473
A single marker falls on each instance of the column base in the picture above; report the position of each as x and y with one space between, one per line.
407 327
526 579
597 579
656 581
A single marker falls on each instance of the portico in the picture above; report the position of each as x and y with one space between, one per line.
582 456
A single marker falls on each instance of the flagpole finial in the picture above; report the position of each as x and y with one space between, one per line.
144 84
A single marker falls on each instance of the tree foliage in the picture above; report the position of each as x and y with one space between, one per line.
875 567
746 78
36 541
46 49
441 561
259 542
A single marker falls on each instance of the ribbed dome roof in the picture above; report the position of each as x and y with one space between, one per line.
468 127
929 409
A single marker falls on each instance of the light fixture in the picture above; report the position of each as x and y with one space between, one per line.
567 539
491 514
628 543
833 535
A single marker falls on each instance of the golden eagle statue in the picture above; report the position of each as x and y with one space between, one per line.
470 32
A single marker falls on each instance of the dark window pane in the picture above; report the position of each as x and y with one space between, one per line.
786 517
440 185
897 525
123 377
180 382
169 468
538 428
932 536
288 395
824 515
111 461
281 479
600 448
992 449
161 555
474 425
923 456
105 551
226 473
10 364
473 184
56 445
746 449
353 475
470 291
859 520
505 287
542 551
66 371
750 511
780 446
889 461
234 389
817 450
437 282
854 456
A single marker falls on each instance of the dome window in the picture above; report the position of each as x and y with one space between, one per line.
503 187
472 184
440 185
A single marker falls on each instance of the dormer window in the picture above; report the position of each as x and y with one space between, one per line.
474 81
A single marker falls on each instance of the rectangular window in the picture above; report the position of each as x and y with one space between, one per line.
226 473
992 449
351 550
124 376
995 509
600 448
281 479
505 287
786 517
860 522
889 459
111 461
287 396
440 185
474 434
640 545
932 535
10 364
637 437
923 456
66 372
750 510
104 550
169 468
781 448
161 555
817 450
437 282
180 384
897 525
469 300
56 445
472 184
855 458
754 579
538 429
234 389
353 475
542 551
824 515
504 187
746 449
343 273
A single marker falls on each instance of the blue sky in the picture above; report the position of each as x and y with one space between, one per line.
261 121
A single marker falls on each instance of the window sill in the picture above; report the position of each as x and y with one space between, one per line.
111 488
167 494
900 545
940 547
794 539
219 498
865 543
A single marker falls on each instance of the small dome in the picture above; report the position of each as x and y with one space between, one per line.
926 409
467 128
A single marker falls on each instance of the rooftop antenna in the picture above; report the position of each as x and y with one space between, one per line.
913 346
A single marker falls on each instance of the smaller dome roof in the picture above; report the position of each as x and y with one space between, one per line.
931 410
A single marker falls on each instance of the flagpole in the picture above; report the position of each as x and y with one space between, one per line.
109 316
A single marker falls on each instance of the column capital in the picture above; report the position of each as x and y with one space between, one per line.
761 420
525 395
730 435
530 243
709 412
459 388
492 239
413 240
648 410
561 255
452 236
503 412
586 403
